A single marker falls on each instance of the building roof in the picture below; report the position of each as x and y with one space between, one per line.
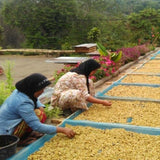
87 45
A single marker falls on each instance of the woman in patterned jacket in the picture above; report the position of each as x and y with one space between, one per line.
74 89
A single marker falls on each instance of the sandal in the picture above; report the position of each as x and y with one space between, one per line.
26 142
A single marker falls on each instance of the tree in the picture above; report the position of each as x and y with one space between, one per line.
45 23
56 24
141 24
52 23
93 34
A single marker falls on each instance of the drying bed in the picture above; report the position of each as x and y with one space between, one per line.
148 70
145 79
154 61
157 56
92 143
135 91
151 65
125 112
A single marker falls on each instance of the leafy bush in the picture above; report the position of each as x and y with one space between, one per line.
8 72
66 46
143 49
5 92
131 54
6 87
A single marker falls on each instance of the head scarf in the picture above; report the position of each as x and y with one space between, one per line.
86 68
31 84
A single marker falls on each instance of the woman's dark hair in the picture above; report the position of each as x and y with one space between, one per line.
86 68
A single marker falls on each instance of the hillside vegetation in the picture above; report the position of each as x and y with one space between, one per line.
54 24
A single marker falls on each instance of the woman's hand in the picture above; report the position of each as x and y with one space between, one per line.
42 109
67 131
92 99
106 103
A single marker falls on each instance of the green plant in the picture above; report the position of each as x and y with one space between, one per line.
7 70
116 57
66 46
5 92
52 112
113 56
94 34
102 50
6 87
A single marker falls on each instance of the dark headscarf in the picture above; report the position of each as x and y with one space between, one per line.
86 68
31 84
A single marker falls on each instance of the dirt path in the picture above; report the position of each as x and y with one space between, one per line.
25 65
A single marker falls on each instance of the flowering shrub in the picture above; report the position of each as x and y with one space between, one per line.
61 72
108 67
131 54
143 49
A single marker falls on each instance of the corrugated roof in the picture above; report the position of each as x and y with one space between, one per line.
87 45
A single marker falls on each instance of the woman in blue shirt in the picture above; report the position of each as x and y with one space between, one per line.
20 107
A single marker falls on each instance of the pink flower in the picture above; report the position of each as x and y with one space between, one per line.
107 74
68 65
113 70
108 62
105 69
93 78
58 72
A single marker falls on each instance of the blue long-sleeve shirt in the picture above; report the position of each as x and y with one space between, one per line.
17 107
